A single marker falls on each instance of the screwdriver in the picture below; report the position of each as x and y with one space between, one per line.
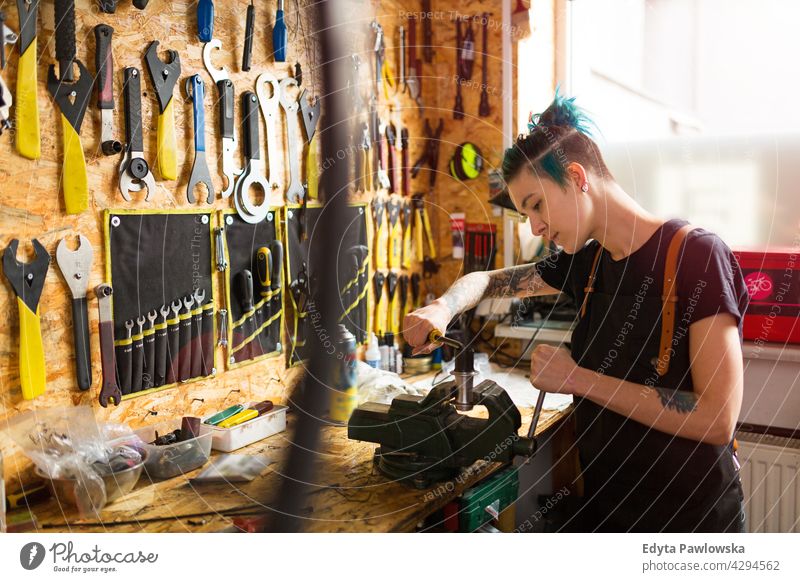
279 36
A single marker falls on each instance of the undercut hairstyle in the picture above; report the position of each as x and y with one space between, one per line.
558 136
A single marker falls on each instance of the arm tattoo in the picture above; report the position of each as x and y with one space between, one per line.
513 282
677 400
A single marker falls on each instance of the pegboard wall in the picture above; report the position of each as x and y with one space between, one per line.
32 206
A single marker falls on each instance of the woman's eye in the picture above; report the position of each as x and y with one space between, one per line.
537 206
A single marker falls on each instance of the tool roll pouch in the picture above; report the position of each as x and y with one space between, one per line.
254 284
159 266
301 225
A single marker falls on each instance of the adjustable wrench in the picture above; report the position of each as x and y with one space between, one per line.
295 193
195 88
134 172
254 170
110 389
76 266
226 116
269 109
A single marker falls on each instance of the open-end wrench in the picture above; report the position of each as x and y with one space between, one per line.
185 338
124 355
226 116
269 101
76 266
295 192
149 374
195 88
110 389
134 171
160 373
199 296
173 343
254 170
137 355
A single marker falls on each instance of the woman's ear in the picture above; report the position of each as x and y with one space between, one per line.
578 176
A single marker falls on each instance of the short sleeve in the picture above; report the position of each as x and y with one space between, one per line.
554 270
711 280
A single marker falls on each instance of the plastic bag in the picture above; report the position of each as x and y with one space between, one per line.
69 444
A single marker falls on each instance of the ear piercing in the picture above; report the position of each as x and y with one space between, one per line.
585 187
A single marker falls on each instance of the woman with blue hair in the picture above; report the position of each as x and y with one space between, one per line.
655 362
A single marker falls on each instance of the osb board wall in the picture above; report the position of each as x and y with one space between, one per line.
31 205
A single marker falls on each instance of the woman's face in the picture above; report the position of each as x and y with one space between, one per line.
560 214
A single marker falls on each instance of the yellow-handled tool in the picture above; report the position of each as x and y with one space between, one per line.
27 280
164 76
395 232
239 418
381 231
27 120
72 99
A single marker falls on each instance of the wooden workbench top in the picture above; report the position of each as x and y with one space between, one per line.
349 495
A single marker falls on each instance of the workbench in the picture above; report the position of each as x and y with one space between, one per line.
349 495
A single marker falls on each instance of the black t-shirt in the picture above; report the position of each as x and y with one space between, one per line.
709 277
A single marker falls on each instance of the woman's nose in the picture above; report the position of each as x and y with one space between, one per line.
538 228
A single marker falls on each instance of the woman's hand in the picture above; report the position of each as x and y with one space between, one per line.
418 325
554 370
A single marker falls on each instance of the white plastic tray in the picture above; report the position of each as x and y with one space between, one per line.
241 435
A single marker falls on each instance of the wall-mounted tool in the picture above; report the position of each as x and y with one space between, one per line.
405 166
27 280
164 76
108 6
427 32
27 122
430 155
173 342
72 99
393 209
247 54
185 338
149 368
309 113
207 339
413 76
276 278
140 4
109 391
160 372
205 20
227 125
295 193
7 37
483 107
104 65
467 49
401 64
380 323
406 214
416 284
363 173
246 301
279 35
269 101
137 355
458 107
76 266
263 270
253 175
134 171
197 333
195 88
123 352
64 11
402 285
391 290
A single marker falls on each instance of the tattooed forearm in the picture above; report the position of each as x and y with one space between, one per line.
677 400
466 293
518 281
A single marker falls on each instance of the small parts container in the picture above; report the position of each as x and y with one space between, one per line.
166 461
241 435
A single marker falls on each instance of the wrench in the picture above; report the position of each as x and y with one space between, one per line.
226 117
269 109
295 193
124 355
76 266
185 338
160 370
149 374
134 172
173 344
137 358
199 296
195 88
254 171
110 389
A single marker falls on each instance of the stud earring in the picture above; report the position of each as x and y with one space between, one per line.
585 187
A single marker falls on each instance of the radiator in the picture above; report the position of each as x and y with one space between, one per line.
771 481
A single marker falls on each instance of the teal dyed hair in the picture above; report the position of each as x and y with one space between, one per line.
558 136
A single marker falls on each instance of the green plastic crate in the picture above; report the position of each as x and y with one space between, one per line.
498 491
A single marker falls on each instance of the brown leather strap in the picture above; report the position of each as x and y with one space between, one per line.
589 289
669 298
